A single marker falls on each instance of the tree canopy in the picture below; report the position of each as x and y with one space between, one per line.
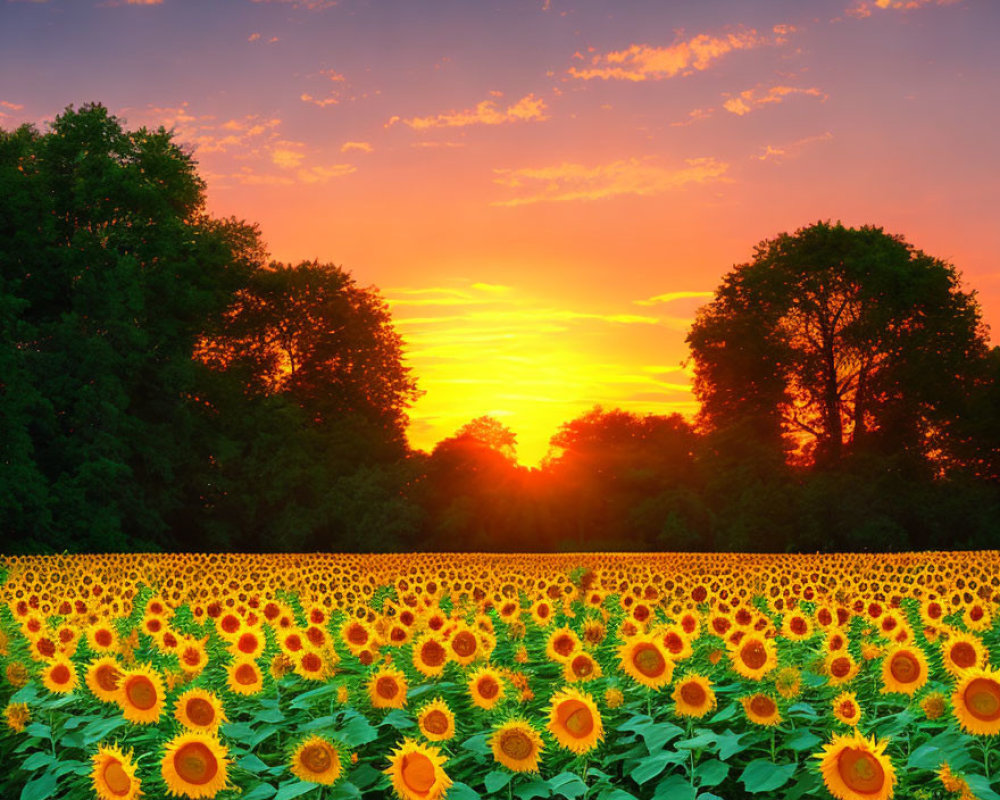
838 340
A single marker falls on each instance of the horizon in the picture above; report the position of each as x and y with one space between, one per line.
545 194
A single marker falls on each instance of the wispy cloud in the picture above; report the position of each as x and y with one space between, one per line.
670 297
634 176
334 95
528 108
643 62
865 8
311 5
790 150
751 99
362 147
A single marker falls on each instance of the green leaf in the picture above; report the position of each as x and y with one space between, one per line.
658 735
618 794
262 791
711 772
99 729
462 791
803 710
536 788
39 730
37 760
303 700
273 715
726 714
478 744
496 780
40 788
345 790
568 784
364 776
425 688
252 764
293 789
320 722
729 744
761 775
26 694
802 740
357 731
399 719
239 732
927 756
981 787
674 787
699 742
650 767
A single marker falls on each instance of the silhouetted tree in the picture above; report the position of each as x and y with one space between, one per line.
840 339
109 272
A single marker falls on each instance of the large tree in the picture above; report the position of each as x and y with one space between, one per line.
835 340
109 271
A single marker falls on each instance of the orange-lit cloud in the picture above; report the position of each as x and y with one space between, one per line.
752 99
670 297
363 147
528 108
9 106
633 176
493 349
863 8
642 62
311 5
791 149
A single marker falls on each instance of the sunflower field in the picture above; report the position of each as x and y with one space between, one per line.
423 676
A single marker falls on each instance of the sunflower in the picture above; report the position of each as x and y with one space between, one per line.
761 709
429 654
645 660
101 637
575 721
191 655
840 668
356 635
934 705
113 776
796 626
693 696
141 695
436 721
198 710
17 716
103 678
561 644
542 613
753 656
194 765
310 664
486 687
244 677
904 670
963 651
846 708
856 768
463 645
387 688
676 642
247 642
976 701
581 667
316 760
59 676
417 771
517 745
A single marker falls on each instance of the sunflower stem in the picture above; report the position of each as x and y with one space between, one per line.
772 744
986 757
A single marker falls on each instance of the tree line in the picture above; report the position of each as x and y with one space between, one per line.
163 385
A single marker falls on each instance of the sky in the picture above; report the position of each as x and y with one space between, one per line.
545 192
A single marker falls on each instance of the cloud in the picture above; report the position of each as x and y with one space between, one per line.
864 8
528 108
9 106
670 297
752 99
643 62
693 116
565 182
792 149
364 147
311 5
244 149
116 3
333 98
322 103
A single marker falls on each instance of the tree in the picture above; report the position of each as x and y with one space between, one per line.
310 333
835 340
109 271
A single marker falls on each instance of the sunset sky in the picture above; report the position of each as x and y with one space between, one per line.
546 191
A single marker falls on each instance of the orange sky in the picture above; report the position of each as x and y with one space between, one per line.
546 191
